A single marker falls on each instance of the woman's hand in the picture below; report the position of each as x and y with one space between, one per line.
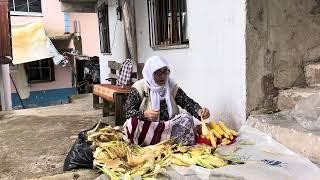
204 113
151 115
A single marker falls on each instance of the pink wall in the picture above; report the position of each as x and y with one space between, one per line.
63 79
89 32
53 19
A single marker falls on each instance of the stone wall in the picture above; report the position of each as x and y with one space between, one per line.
282 36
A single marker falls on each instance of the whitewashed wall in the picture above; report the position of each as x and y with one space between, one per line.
117 40
212 69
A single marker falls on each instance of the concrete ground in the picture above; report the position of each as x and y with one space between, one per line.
35 142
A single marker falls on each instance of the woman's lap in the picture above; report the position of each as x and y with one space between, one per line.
180 128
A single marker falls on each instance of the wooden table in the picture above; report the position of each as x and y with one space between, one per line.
113 96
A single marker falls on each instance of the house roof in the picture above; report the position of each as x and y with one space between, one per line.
74 1
61 37
82 6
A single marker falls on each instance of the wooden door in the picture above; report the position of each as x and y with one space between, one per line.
5 40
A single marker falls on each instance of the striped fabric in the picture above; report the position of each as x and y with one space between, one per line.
125 73
150 132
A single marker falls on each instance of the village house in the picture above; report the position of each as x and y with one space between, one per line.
237 58
200 47
41 82
250 62
255 62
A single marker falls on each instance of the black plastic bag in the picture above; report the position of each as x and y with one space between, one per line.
80 154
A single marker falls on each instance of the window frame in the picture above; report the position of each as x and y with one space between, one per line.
104 32
165 31
50 67
25 13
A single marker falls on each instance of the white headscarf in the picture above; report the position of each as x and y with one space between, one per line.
157 92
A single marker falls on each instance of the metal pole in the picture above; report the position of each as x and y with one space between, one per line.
15 87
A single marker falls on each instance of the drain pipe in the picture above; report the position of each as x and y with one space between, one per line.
7 101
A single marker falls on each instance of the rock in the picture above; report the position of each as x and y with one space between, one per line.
287 99
283 128
312 73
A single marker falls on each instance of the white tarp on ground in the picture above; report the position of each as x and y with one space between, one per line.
265 159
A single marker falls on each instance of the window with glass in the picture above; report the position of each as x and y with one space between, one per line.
104 28
25 6
40 71
167 23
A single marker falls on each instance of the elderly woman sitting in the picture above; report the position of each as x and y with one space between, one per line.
152 108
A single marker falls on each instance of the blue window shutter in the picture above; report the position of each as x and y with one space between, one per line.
66 22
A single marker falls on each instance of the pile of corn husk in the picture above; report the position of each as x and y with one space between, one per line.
119 160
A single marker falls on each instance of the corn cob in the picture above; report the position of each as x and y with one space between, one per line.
225 141
182 149
224 128
218 129
176 161
123 161
231 137
216 133
213 140
203 163
215 161
230 131
184 159
234 133
195 151
204 129
187 155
